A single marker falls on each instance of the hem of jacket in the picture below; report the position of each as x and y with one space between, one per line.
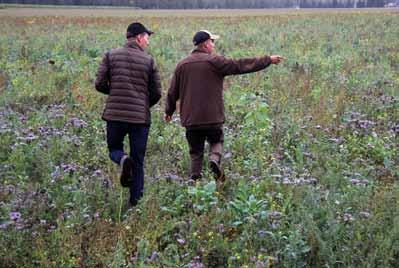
205 125
127 121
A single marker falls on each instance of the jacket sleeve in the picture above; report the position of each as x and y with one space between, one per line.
102 79
173 95
154 85
226 66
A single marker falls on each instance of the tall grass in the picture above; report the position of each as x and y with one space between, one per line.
311 148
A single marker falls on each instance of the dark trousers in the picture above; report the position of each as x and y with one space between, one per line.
138 135
196 140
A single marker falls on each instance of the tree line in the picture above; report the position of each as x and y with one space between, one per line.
186 4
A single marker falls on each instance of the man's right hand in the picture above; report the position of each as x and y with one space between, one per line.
276 59
168 118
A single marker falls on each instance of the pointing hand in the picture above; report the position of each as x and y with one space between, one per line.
276 59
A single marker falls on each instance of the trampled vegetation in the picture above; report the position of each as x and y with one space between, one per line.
311 148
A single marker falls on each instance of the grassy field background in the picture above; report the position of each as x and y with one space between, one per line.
311 145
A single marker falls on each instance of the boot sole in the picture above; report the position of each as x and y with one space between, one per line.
127 172
215 168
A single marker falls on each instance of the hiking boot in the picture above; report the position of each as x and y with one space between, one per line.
217 171
195 177
127 208
127 165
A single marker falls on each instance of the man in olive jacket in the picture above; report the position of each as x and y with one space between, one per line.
130 78
198 84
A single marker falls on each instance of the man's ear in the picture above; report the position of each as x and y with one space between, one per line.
206 44
139 37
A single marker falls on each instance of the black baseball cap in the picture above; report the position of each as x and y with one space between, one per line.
136 28
202 36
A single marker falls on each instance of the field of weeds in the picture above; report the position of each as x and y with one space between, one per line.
311 147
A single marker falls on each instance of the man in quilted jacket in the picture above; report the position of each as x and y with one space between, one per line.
129 76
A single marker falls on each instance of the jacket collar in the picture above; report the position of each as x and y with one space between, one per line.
199 50
133 44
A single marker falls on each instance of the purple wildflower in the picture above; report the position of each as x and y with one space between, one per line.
196 263
57 132
173 178
348 217
87 218
68 168
56 111
355 181
10 189
275 214
275 225
106 183
260 264
338 140
364 214
31 137
287 181
96 173
76 122
229 154
263 233
76 141
220 228
181 241
154 256
365 124
15 216
359 182
55 174
19 226
312 181
4 225
23 118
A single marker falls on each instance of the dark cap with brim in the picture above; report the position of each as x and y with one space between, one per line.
137 28
202 36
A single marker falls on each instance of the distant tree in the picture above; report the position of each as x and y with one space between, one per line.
213 3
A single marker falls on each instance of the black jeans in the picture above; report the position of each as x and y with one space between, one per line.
138 135
196 140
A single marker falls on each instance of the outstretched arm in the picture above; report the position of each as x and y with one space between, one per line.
227 66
